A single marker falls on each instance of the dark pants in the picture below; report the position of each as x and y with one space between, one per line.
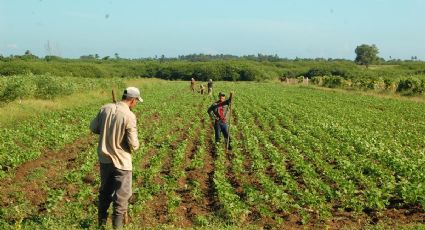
221 127
115 187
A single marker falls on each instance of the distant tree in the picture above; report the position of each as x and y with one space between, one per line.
52 58
366 54
117 56
27 56
162 59
380 60
96 56
87 57
105 58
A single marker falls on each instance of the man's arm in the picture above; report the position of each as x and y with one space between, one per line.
228 101
211 113
131 131
95 123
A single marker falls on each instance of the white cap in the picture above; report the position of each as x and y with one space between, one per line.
133 92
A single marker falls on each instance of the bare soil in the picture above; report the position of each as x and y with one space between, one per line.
49 165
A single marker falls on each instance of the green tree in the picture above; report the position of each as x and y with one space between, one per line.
366 54
28 55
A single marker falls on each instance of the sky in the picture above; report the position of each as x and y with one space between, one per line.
142 28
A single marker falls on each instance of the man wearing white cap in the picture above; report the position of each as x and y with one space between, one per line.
192 85
116 125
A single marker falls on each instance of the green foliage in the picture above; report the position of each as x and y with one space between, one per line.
52 58
47 86
411 86
300 79
332 81
227 68
302 151
176 70
316 80
317 72
16 87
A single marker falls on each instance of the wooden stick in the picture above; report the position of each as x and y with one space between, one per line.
113 96
228 127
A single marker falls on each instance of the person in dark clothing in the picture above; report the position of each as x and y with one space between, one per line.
219 113
210 87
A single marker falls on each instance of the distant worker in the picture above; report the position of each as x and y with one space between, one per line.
202 88
192 85
210 87
219 113
116 125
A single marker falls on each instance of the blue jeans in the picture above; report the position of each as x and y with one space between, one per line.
221 127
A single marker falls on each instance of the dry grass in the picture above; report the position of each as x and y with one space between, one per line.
19 110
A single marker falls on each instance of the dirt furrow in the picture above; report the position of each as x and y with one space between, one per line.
194 189
34 178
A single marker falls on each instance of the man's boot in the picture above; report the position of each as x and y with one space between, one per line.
101 220
117 221
102 223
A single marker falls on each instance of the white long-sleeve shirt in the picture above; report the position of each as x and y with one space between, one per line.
116 126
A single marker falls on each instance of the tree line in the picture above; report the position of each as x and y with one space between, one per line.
228 70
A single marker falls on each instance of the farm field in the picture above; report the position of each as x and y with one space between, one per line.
302 157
